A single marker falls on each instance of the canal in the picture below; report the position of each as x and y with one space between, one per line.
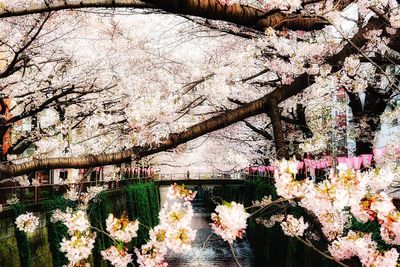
215 252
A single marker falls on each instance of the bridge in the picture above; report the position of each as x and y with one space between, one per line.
34 194
203 178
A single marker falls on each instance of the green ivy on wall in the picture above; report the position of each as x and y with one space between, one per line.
56 231
98 212
142 204
154 202
24 247
139 208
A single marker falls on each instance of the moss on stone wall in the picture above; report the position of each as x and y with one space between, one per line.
56 231
9 254
140 201
98 212
142 204
24 248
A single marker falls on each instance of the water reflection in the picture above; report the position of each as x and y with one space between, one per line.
216 252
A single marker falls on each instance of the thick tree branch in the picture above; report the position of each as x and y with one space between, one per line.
261 132
212 124
211 9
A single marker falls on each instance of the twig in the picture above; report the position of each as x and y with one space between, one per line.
205 242
234 255
321 252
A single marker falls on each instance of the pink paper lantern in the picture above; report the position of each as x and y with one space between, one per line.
300 165
271 169
324 163
342 160
366 159
350 162
318 165
306 162
261 169
357 162
313 164
329 161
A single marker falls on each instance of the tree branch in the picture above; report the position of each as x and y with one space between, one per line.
211 9
259 131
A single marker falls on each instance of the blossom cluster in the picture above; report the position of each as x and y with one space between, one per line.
78 246
293 226
80 242
361 245
73 193
13 199
334 201
265 201
76 222
179 191
151 255
27 222
229 221
122 229
117 256
173 233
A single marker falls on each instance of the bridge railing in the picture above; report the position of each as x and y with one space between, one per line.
206 176
34 194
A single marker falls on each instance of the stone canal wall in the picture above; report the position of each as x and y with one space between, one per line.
41 249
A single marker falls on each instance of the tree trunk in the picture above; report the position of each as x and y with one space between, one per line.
3 128
279 136
367 117
363 147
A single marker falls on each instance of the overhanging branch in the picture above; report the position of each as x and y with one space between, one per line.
211 9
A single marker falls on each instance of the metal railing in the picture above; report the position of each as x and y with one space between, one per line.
34 194
208 176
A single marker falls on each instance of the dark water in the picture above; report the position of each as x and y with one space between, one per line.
216 252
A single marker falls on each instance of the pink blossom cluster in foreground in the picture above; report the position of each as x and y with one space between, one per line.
229 221
345 194
173 232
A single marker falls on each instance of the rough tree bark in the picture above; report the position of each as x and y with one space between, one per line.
279 136
212 9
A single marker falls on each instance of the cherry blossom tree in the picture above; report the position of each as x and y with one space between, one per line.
300 52
101 82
